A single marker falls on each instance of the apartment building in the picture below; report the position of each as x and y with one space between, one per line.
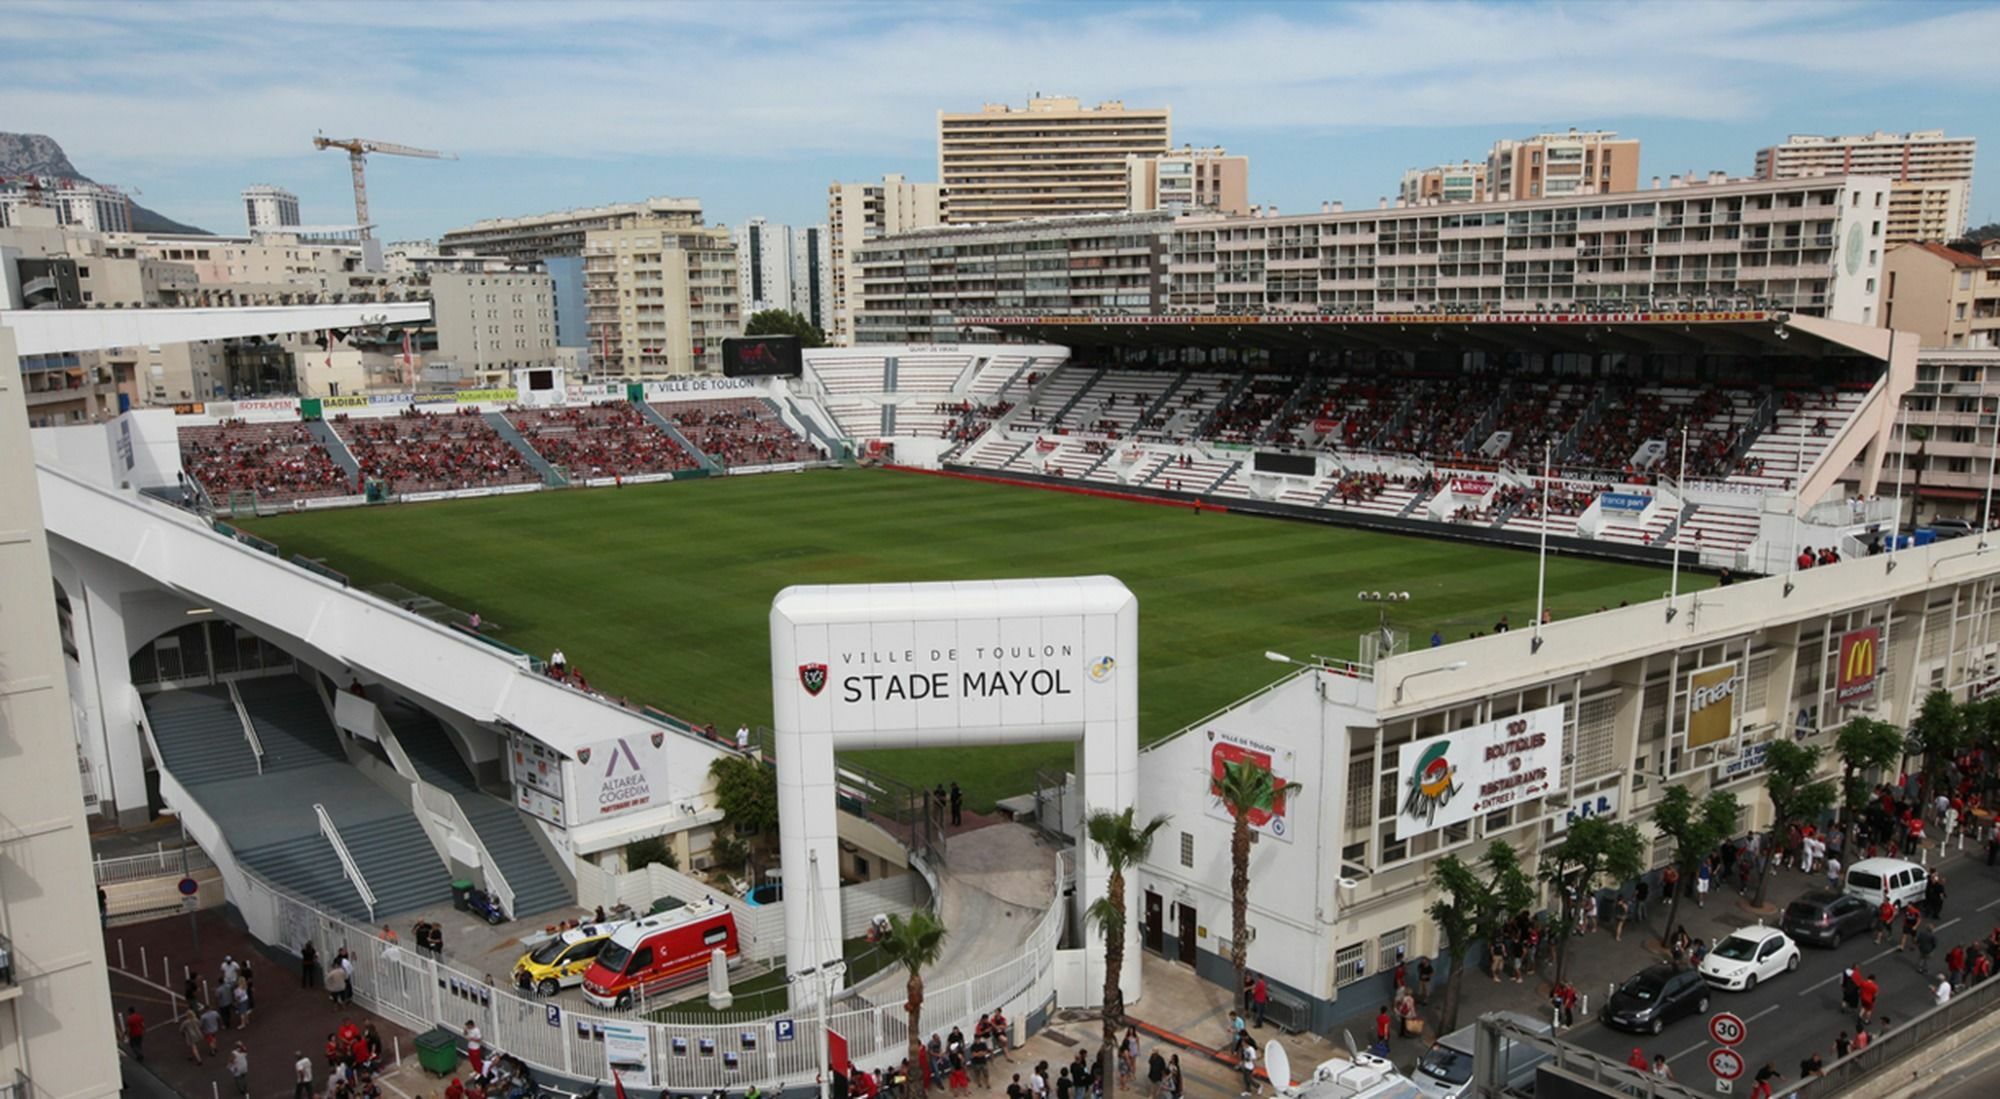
1947 297
1940 459
857 213
266 207
1931 174
659 296
522 240
1810 246
492 324
1055 157
763 266
1461 182
89 207
812 275
1188 179
1552 165
915 285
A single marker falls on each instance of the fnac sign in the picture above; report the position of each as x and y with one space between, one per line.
1712 705
1860 657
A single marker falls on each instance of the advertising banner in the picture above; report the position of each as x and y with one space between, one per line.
624 775
1226 749
1324 426
485 396
1860 658
628 1053
266 406
1471 486
538 785
1624 503
1746 762
1603 804
1711 705
1448 779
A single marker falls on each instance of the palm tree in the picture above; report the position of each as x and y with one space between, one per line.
914 942
1123 845
1245 788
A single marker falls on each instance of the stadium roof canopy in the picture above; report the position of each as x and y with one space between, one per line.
1729 332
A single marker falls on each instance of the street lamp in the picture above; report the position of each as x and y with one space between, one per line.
1456 665
1382 599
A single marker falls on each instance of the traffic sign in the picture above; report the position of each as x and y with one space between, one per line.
1726 1063
553 1013
786 1030
1727 1028
189 886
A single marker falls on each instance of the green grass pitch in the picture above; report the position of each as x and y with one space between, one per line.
661 592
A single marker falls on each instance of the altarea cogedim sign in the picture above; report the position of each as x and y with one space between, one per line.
1450 778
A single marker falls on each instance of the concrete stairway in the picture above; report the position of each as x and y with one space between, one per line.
200 735
519 442
291 723
323 431
397 860
307 866
659 419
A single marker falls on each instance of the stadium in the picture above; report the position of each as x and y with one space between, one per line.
1445 526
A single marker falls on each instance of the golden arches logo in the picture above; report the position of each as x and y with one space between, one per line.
1860 663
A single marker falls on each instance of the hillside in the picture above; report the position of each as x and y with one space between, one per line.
38 154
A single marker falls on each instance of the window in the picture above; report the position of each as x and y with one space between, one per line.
1350 964
1391 946
860 867
1187 849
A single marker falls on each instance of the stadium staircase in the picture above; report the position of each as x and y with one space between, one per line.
1229 399
1307 391
1096 376
291 723
1166 395
813 427
529 454
659 419
537 886
1026 368
200 736
337 450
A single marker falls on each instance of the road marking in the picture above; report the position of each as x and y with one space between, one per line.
1989 904
1705 1043
1947 923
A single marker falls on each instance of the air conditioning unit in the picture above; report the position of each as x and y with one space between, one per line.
704 862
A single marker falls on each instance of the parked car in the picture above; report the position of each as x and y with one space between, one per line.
1748 956
1903 879
1654 997
559 961
1952 528
651 955
1446 1070
1827 918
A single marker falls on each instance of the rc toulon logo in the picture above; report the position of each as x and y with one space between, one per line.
813 678
1433 785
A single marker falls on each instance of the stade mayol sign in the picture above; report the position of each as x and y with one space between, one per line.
1722 316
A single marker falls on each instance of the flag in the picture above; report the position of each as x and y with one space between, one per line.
406 347
329 348
617 1085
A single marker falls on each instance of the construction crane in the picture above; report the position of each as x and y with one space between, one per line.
358 149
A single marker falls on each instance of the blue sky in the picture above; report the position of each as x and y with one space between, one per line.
754 107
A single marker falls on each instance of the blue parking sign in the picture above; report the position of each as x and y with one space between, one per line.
553 1013
785 1030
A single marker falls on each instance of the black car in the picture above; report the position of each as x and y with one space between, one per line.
1654 997
1827 918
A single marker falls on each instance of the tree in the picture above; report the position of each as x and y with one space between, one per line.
747 793
1472 906
1696 827
640 854
1592 849
1864 745
784 322
1124 845
914 942
1789 768
1245 788
1938 732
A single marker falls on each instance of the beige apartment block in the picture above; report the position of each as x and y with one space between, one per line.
1555 165
1461 182
1052 158
659 297
1947 298
561 233
1931 173
1188 179
857 213
494 322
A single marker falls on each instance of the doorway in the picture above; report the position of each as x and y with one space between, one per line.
1155 922
1187 935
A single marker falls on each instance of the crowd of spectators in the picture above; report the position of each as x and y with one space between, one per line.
613 439
279 462
1240 420
738 432
426 452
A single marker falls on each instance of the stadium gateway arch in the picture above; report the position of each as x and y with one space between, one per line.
941 665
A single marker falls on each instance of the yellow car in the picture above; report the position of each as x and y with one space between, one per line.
558 962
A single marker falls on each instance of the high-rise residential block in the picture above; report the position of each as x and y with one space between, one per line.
1947 297
1461 182
659 296
1054 157
812 272
1188 180
491 324
857 213
763 266
266 208
523 240
1553 165
1931 174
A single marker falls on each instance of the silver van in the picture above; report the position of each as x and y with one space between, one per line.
1904 880
1446 1071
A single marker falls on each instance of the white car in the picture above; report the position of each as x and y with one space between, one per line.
1748 956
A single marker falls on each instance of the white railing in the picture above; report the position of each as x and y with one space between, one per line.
161 862
249 727
429 798
347 863
420 992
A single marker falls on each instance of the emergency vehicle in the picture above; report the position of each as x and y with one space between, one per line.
650 955
559 961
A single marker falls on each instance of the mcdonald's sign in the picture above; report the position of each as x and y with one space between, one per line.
1860 656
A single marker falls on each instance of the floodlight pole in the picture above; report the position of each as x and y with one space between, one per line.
1674 585
1542 566
1992 452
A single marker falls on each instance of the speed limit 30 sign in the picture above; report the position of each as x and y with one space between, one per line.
1727 1028
1727 1064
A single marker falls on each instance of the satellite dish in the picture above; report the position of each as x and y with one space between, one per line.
1278 1064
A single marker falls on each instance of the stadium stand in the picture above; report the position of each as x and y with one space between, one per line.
739 432
279 462
424 452
606 440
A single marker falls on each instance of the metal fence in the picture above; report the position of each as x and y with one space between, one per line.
421 992
163 861
1904 1041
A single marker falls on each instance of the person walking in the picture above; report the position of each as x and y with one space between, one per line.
1926 942
1934 895
211 1030
135 1033
191 1033
1942 993
336 985
1865 991
1248 1066
957 805
1260 1000
1621 910
1640 893
1703 876
302 1076
1426 972
475 1047
239 1068
308 965
241 997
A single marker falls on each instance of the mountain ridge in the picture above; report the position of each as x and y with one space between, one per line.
41 155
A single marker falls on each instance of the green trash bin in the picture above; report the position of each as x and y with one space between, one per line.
460 889
437 1051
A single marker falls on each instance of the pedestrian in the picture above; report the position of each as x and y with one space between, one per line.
743 738
1812 1065
230 971
1954 965
1842 1046
211 1029
475 1048
1761 1089
1426 972
1237 1028
957 805
336 985
1382 1025
1638 1059
308 965
1640 892
1249 989
302 1075
1942 993
1176 1083
1156 1073
1248 1066
239 1069
191 1033
1934 895
1260 1000
1911 918
241 995
1660 1067
1865 992
1702 877
1850 989
135 1033
1621 910
1926 942
346 964
1833 872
